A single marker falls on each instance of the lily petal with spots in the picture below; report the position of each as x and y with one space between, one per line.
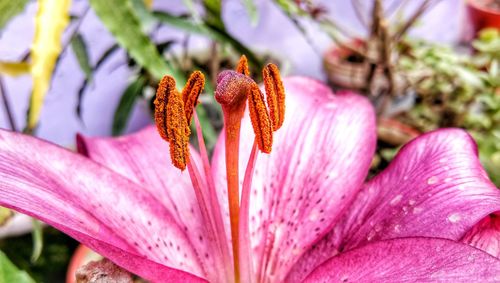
430 216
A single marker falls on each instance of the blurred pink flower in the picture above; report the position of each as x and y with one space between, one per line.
310 214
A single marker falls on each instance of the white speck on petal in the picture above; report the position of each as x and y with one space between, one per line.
417 210
432 180
397 228
454 217
396 200
412 202
314 215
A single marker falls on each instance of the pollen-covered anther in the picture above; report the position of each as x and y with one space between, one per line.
275 94
261 122
242 66
165 87
191 92
178 130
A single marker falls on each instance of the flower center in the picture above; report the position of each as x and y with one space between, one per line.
173 113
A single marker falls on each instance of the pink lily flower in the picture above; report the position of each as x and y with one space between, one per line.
304 211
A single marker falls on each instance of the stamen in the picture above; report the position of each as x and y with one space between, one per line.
275 92
165 87
246 261
260 119
178 130
191 92
242 66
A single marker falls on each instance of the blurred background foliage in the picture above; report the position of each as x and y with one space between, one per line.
416 85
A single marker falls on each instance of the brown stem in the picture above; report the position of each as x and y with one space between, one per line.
6 105
413 19
385 52
214 62
359 13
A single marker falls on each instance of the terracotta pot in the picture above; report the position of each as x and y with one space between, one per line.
343 72
81 256
482 16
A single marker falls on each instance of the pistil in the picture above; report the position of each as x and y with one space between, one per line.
173 114
234 88
231 92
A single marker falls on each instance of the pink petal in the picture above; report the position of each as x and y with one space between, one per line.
90 202
486 235
144 158
410 260
299 190
139 265
435 187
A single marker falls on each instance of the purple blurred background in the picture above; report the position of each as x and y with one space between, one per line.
273 34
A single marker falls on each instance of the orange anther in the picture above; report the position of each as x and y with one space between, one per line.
191 92
171 121
178 131
259 116
165 87
242 66
275 93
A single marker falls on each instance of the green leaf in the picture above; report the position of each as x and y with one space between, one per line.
10 8
105 56
252 11
221 36
190 5
213 17
143 12
10 273
124 23
124 109
80 48
37 235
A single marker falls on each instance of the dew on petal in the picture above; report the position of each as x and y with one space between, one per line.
296 251
417 210
396 200
370 236
314 215
405 210
397 228
454 217
432 180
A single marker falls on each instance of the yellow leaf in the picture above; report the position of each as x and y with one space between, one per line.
14 68
51 20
